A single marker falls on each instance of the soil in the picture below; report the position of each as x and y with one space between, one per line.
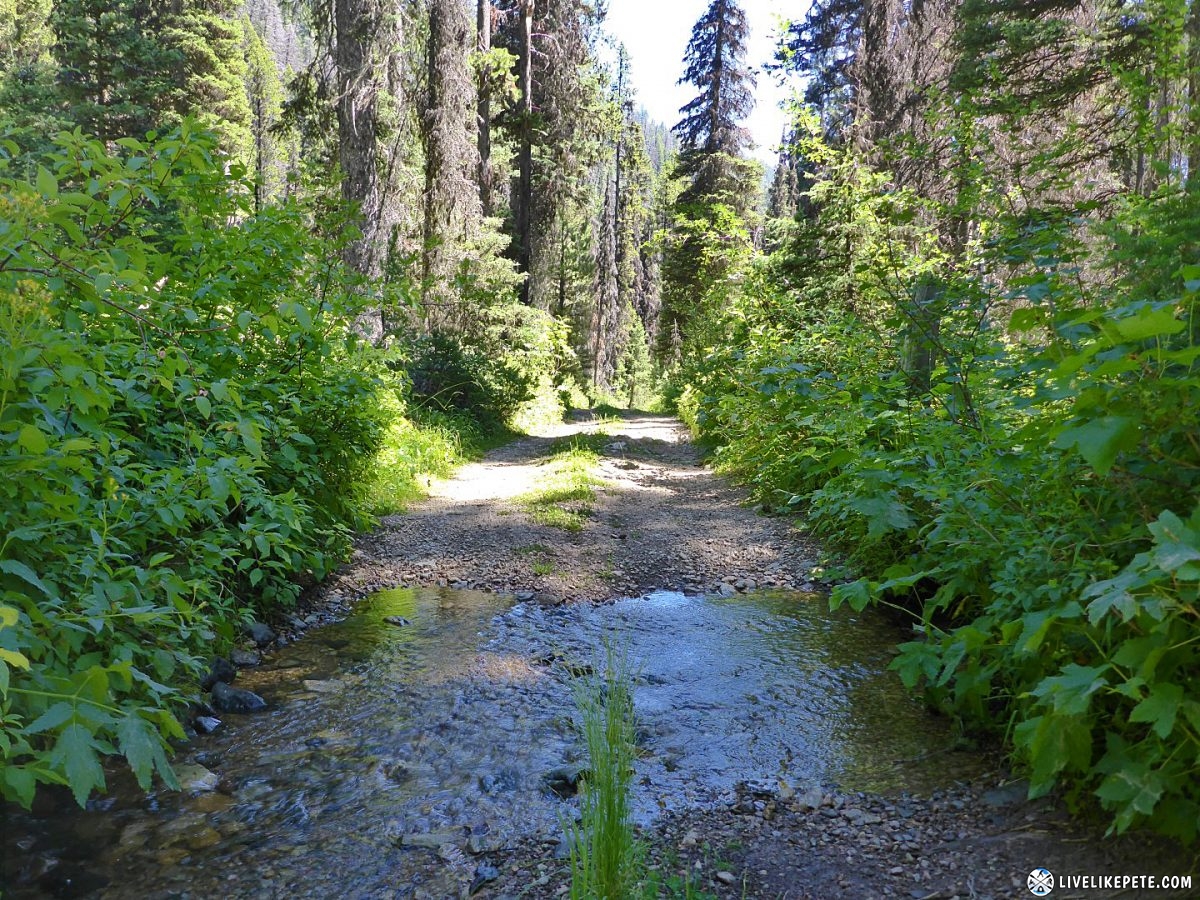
663 520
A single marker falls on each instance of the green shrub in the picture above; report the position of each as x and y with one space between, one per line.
1033 510
186 424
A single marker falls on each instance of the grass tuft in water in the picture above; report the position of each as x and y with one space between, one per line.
606 859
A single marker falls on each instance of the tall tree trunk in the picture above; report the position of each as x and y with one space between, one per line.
358 24
484 31
451 202
1193 88
525 154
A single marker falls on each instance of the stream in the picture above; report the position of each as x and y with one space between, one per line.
393 758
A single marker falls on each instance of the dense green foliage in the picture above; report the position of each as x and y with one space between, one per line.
1030 504
188 429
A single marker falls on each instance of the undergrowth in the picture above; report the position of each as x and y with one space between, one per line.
1030 503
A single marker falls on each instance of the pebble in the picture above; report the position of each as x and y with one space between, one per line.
726 877
194 778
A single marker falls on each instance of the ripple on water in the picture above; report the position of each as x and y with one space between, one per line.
441 731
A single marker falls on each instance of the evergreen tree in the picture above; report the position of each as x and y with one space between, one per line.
715 63
710 237
206 41
116 76
264 91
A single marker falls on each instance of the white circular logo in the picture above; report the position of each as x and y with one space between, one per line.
1041 882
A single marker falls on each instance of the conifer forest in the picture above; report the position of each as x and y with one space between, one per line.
270 272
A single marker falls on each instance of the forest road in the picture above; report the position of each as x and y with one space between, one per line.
660 519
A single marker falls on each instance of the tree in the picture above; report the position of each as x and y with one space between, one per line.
264 90
452 204
710 239
715 63
114 72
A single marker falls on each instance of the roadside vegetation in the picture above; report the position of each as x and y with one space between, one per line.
567 491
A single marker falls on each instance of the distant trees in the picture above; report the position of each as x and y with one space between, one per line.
710 236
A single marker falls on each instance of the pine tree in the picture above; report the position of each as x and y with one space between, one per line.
116 76
712 217
264 91
715 63
207 45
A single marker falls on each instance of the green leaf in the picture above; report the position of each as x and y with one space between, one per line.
14 659
47 184
1160 708
1100 440
26 574
21 783
1134 789
1176 544
31 440
142 746
1148 323
75 752
1070 692
1053 743
55 716
203 405
9 617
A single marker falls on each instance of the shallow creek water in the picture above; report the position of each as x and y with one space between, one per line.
392 755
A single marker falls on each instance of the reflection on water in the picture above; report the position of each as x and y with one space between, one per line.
392 753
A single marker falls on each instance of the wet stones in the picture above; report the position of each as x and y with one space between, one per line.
206 724
244 659
236 700
195 779
563 781
397 621
219 669
260 633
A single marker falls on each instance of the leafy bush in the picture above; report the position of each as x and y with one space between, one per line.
186 423
1032 508
514 355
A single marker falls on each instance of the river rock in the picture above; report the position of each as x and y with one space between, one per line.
195 779
260 633
219 669
484 874
206 724
545 598
564 780
398 621
235 700
245 659
432 840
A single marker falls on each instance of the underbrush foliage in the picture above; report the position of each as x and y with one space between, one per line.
1032 510
187 429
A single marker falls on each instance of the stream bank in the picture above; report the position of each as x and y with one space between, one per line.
422 743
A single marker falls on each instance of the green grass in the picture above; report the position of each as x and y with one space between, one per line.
564 499
421 445
543 567
606 859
